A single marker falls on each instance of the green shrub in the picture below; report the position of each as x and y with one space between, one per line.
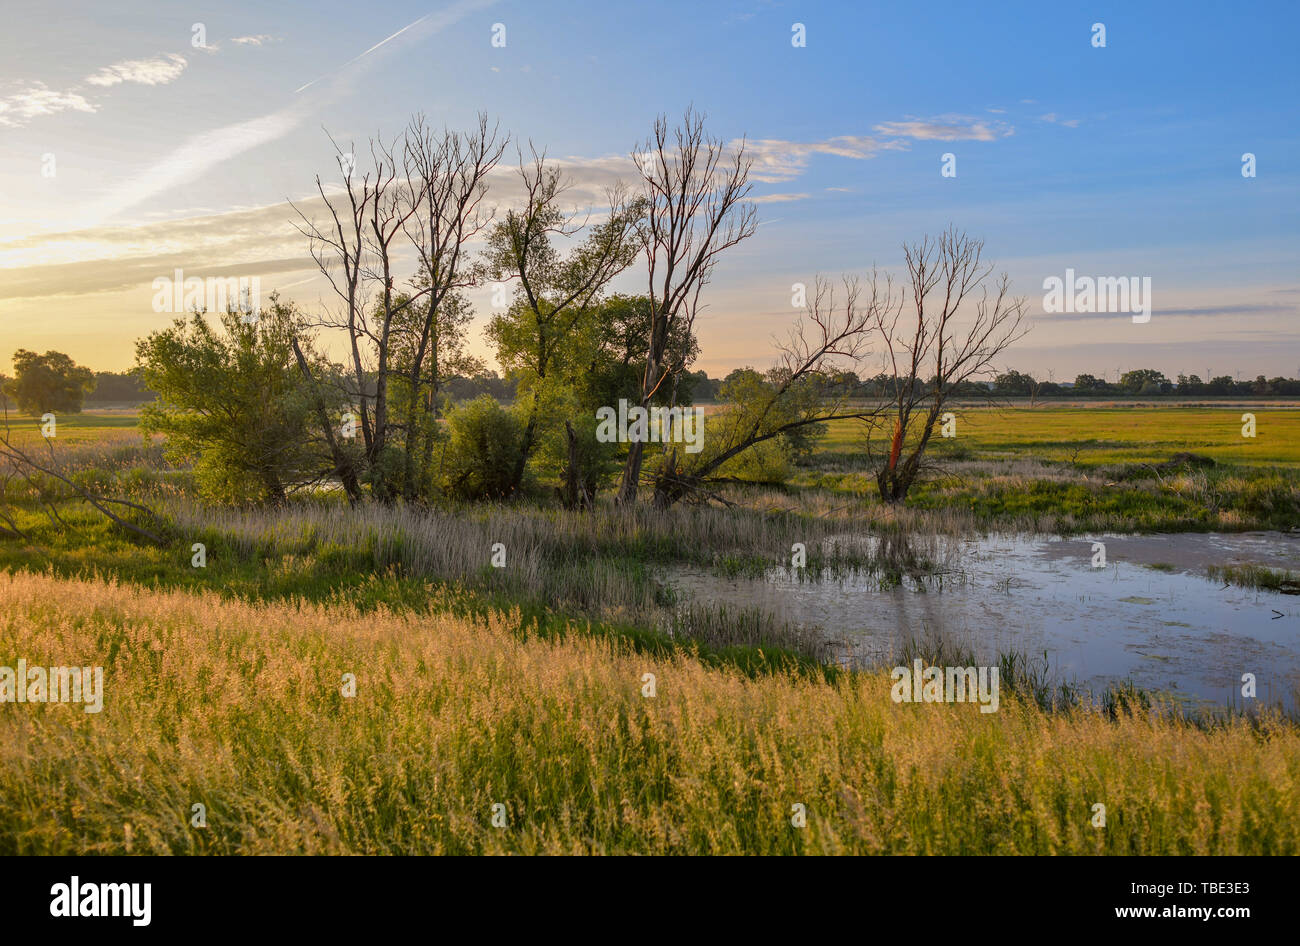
483 449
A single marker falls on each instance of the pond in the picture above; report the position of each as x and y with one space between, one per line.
1149 615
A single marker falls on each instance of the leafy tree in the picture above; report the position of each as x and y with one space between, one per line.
232 400
750 402
483 448
1145 381
548 334
1014 384
51 382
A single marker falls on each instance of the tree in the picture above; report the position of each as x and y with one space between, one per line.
47 383
1014 384
694 193
446 178
1145 381
940 345
806 388
482 451
232 399
425 190
112 387
539 337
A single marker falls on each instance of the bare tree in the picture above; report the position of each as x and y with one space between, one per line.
337 248
937 349
446 180
426 188
804 388
694 200
391 207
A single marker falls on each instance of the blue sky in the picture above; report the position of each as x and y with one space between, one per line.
1117 161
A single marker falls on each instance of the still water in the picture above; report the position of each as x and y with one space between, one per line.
1150 615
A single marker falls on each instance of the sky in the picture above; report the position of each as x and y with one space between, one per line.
137 138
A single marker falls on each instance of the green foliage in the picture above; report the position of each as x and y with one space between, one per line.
753 403
482 451
551 340
232 401
1014 384
51 382
1145 381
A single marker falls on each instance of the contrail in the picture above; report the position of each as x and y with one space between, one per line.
201 152
366 53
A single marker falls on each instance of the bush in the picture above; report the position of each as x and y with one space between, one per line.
484 447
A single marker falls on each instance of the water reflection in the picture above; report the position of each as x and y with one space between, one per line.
1149 615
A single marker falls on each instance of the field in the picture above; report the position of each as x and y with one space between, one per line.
1096 436
1098 469
523 686
237 706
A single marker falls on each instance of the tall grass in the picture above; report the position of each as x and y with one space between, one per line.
236 705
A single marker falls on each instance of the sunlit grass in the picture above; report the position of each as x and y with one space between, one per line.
237 706
1110 435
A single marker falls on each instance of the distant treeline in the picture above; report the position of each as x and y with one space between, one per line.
124 388
1144 382
697 386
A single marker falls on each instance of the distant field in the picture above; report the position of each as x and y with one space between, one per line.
92 426
1100 435
1111 434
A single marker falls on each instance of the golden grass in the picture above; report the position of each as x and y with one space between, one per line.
237 706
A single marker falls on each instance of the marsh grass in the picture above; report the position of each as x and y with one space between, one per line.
1256 576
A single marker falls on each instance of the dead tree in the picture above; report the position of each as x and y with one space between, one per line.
936 349
694 192
446 180
825 337
337 249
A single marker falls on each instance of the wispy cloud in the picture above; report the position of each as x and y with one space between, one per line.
157 71
778 198
1055 119
1212 311
776 161
947 128
261 39
37 100
204 151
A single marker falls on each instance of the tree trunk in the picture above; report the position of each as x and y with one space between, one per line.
631 475
525 448
574 494
342 465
